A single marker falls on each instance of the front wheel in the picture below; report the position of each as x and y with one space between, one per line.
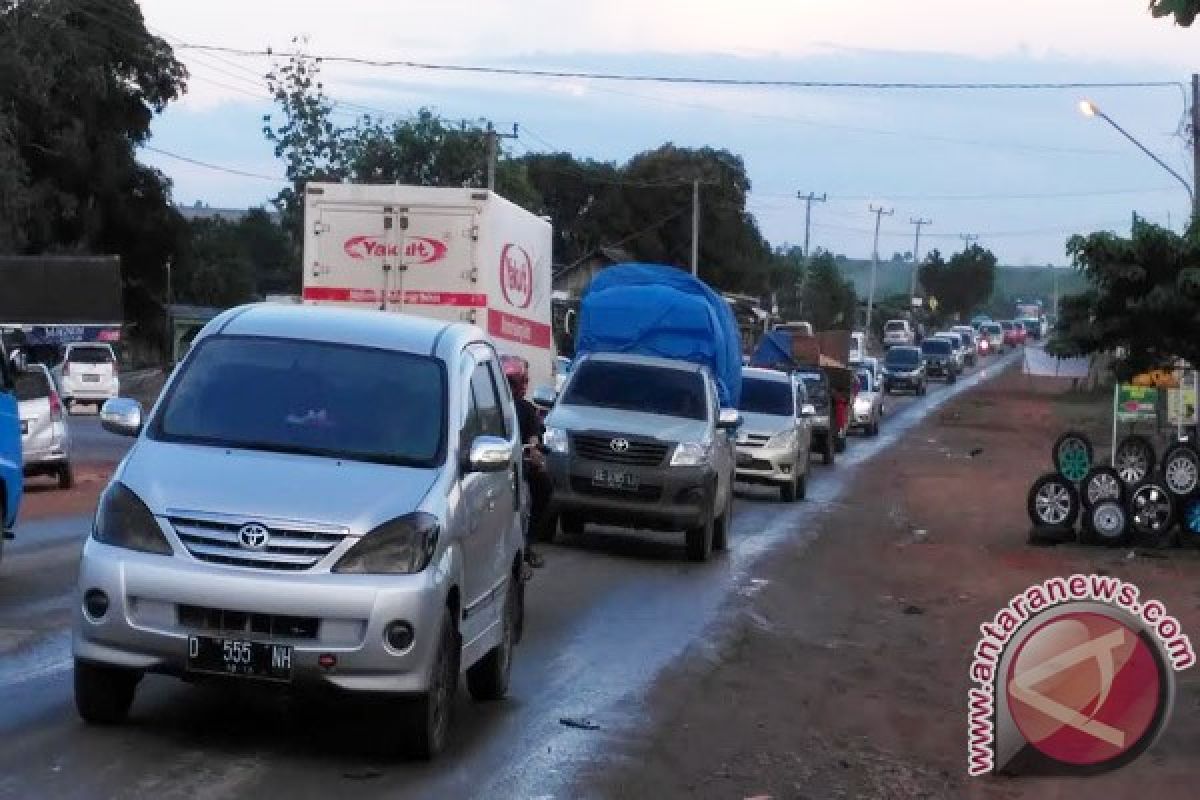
787 491
827 450
839 443
428 716
723 525
488 678
104 695
700 539
66 477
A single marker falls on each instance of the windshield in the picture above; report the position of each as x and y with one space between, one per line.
1008 326
32 384
814 385
864 381
89 355
894 325
992 329
638 387
935 347
767 397
902 357
310 398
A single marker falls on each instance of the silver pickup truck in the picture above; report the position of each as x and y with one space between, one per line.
642 442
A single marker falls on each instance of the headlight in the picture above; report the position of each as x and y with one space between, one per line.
862 405
555 440
122 520
691 454
403 546
782 440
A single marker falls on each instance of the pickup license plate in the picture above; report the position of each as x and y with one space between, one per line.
614 479
247 659
91 378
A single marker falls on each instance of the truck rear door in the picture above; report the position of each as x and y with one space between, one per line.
420 260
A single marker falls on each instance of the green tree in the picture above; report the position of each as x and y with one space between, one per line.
1143 301
828 299
82 81
1184 11
962 284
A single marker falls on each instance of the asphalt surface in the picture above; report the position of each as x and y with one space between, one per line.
91 444
606 614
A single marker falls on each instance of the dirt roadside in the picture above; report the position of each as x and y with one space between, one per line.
43 498
842 669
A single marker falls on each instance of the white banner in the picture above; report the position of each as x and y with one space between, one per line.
1039 362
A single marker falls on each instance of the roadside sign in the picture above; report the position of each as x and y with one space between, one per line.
1136 403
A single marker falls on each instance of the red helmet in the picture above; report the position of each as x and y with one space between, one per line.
516 370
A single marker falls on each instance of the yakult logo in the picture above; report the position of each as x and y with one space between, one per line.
417 249
516 276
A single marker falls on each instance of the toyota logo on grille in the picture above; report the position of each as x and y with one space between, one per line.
253 536
619 445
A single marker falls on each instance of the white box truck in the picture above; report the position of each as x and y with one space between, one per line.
463 255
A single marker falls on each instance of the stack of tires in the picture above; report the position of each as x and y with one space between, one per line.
1137 499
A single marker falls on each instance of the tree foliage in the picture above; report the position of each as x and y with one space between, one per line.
82 81
962 284
828 299
226 263
1144 300
1184 11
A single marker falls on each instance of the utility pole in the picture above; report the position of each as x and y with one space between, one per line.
879 213
170 352
1195 146
809 199
912 281
696 227
493 152
968 239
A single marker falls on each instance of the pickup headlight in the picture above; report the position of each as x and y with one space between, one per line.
403 546
123 520
783 440
691 454
555 440
862 405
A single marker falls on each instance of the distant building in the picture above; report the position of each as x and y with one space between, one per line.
202 211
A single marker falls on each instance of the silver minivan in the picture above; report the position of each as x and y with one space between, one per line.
45 437
319 497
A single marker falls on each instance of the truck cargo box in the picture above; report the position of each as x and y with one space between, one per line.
461 255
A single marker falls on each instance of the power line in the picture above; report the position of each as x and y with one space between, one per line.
216 167
677 79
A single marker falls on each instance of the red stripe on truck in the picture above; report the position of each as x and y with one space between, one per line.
517 329
336 294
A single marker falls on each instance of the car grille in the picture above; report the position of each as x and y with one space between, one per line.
754 440
221 620
639 454
643 492
292 546
757 464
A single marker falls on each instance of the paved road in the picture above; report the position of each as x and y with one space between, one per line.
92 444
608 612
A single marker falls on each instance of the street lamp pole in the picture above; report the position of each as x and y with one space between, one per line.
1090 109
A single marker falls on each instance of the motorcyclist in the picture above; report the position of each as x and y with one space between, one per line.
529 421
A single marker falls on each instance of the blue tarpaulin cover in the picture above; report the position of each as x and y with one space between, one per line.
774 352
654 310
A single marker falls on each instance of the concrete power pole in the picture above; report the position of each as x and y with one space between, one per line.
493 152
1195 146
696 227
968 239
912 281
879 213
809 199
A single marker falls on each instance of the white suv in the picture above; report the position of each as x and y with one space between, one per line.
87 374
898 333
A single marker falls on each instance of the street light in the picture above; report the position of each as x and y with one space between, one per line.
1090 109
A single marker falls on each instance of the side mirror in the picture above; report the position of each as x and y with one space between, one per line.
808 410
728 419
121 416
489 454
543 396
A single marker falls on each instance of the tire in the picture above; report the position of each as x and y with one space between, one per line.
1107 523
487 679
1134 459
802 486
428 717
1072 455
1181 471
723 525
1101 483
873 429
572 524
951 378
787 491
1151 512
104 695
66 477
923 390
700 540
1053 502
839 443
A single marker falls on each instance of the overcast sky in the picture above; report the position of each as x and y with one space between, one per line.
1022 169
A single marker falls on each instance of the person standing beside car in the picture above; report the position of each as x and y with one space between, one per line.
529 422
